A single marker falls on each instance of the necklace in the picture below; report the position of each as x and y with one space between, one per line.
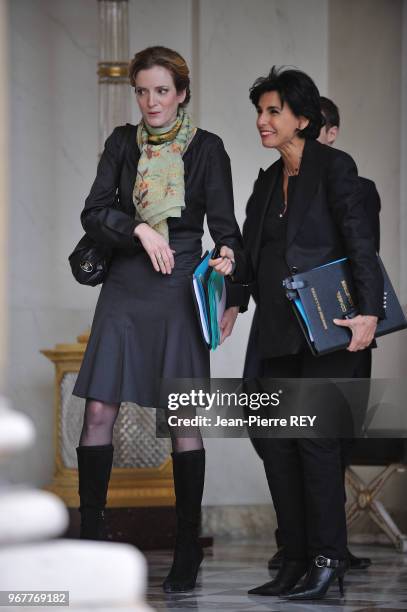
281 215
293 171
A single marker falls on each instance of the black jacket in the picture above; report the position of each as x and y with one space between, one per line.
326 221
372 205
208 190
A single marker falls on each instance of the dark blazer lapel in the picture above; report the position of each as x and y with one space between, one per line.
305 188
262 194
133 155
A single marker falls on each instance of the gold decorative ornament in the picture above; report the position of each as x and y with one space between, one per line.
113 70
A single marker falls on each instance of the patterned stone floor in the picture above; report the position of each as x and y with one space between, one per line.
232 567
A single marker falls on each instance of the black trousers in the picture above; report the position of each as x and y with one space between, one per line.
305 476
363 369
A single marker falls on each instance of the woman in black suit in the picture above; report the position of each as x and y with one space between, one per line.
168 174
305 210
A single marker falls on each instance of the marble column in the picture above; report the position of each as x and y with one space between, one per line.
114 107
3 183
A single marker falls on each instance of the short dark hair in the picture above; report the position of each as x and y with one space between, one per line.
296 89
330 112
169 59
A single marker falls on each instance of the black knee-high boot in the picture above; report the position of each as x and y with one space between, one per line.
94 467
189 475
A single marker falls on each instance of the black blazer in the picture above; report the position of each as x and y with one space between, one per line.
326 221
110 220
372 206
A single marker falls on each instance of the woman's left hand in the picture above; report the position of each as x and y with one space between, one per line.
225 263
363 329
228 321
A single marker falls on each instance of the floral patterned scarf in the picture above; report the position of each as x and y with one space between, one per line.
159 190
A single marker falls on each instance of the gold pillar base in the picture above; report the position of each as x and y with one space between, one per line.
127 488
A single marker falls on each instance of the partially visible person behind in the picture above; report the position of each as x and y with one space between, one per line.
371 199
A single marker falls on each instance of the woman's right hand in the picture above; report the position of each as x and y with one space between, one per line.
158 249
363 328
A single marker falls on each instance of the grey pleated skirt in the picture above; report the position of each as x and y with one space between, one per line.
145 329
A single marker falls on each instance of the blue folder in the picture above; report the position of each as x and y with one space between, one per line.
209 293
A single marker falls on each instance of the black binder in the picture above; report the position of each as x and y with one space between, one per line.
326 293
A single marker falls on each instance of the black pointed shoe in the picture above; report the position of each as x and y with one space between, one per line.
276 561
287 577
321 574
188 556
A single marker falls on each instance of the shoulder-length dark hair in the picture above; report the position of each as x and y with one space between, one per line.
169 59
296 89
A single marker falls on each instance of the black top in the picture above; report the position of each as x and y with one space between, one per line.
372 205
326 221
208 190
279 331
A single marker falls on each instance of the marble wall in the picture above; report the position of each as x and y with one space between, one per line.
4 194
53 151
53 48
403 160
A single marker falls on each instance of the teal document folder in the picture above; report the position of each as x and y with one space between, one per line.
209 293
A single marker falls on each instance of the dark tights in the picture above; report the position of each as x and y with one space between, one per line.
99 421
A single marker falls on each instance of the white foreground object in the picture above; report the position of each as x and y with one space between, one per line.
16 429
103 575
28 515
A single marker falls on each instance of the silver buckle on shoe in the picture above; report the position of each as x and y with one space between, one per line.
321 561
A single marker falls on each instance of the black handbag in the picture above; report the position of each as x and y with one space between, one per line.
90 260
